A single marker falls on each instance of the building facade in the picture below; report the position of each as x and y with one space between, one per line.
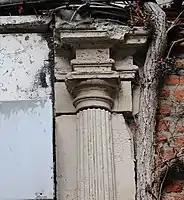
67 93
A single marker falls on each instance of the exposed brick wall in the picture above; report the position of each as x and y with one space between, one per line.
170 132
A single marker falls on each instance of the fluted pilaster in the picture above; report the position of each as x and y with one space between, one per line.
95 155
99 84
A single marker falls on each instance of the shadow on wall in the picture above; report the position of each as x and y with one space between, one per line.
173 188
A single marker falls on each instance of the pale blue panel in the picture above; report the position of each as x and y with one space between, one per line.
26 152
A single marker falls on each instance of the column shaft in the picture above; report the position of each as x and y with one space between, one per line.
95 155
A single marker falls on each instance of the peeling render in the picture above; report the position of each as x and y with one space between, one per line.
26 109
24 72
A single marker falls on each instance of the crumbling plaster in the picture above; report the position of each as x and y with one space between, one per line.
26 109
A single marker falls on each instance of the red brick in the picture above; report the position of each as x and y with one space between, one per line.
160 146
167 197
173 80
161 138
158 161
164 109
163 125
181 80
179 141
180 129
164 93
179 197
175 186
179 95
168 153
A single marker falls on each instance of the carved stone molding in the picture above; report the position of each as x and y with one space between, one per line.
99 34
94 93
92 60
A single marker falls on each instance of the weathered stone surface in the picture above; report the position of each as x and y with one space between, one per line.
124 63
64 102
99 34
62 63
123 100
123 158
135 99
66 157
24 67
24 24
93 124
93 93
91 54
99 87
96 173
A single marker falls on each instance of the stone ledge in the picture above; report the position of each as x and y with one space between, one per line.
123 71
24 24
121 75
108 34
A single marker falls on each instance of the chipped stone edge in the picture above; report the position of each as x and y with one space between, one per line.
24 24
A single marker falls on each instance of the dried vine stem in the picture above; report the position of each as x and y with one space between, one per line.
173 44
145 150
164 169
175 21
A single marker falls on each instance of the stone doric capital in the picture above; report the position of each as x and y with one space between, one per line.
93 93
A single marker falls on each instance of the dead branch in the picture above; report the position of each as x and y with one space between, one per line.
175 21
173 44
